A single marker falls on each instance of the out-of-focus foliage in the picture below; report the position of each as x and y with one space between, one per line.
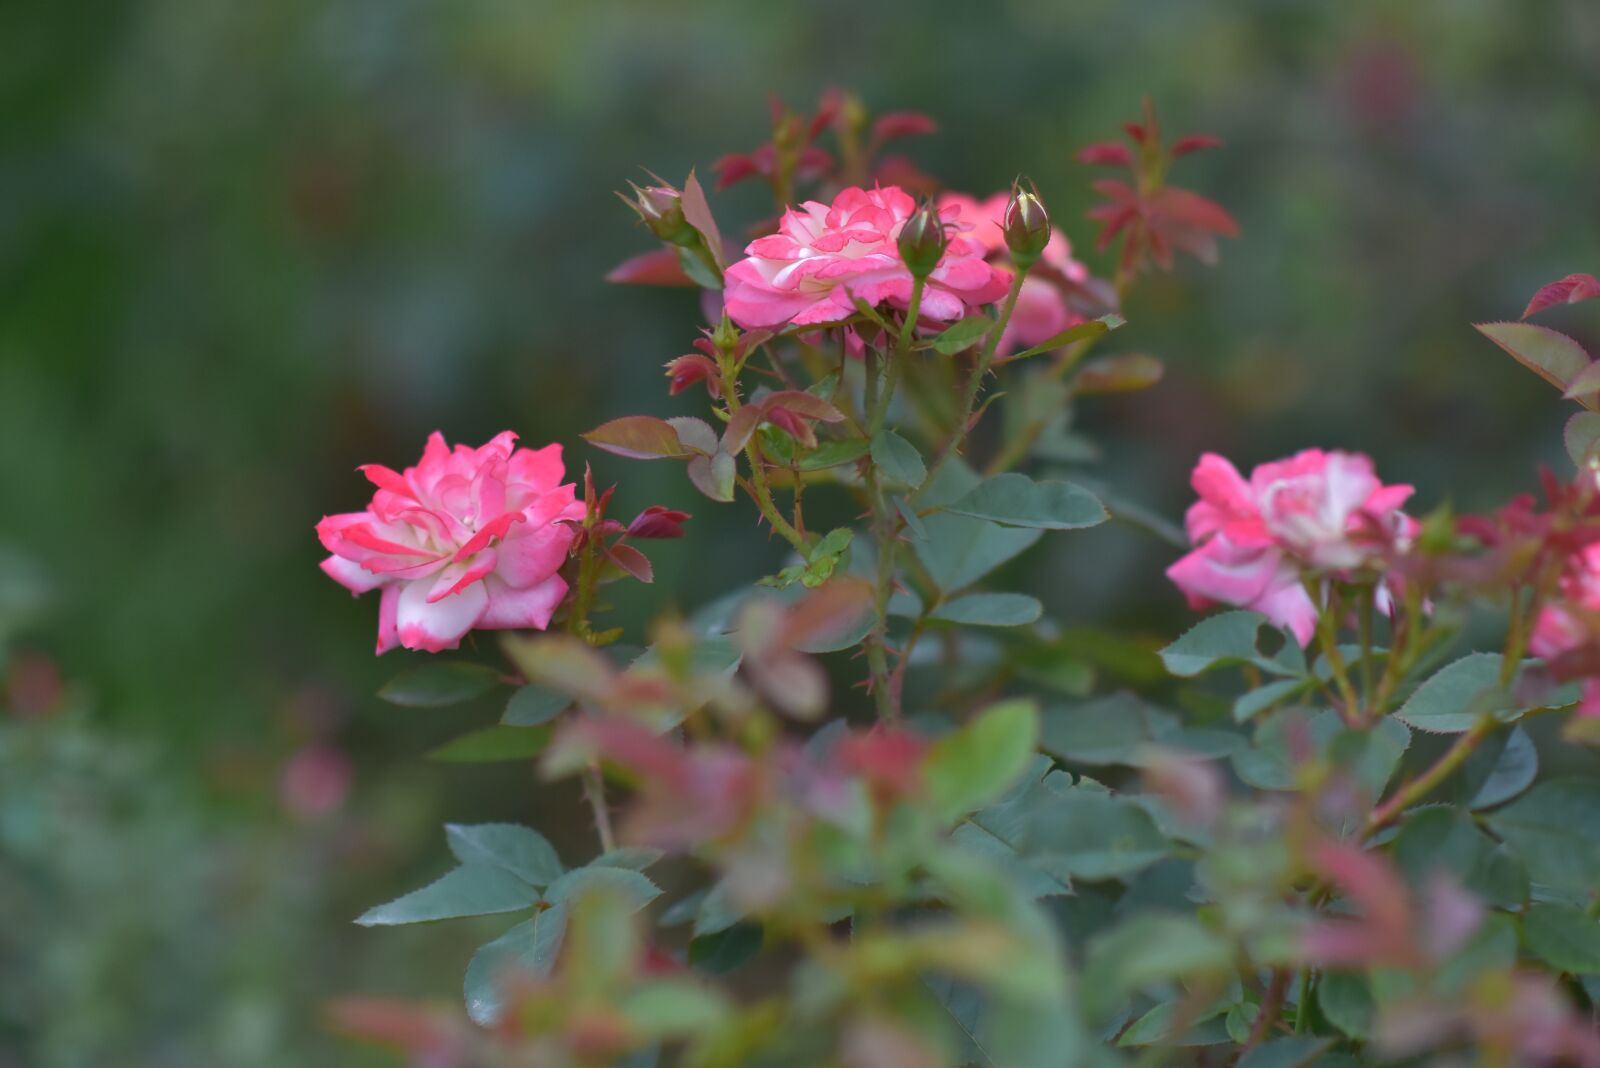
245 247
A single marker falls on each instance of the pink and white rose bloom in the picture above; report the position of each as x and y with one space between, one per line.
1042 311
466 539
826 255
1253 539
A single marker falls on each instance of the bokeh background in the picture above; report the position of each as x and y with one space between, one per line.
245 247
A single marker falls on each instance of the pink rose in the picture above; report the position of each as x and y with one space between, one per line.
1253 539
823 256
465 539
1041 311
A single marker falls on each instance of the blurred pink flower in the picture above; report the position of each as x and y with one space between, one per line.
315 781
824 256
1568 625
1042 311
1316 509
467 538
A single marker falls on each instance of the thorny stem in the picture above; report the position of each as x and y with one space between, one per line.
1328 642
1271 1006
1429 780
760 492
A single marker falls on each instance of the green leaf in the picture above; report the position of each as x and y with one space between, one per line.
533 704
634 858
493 744
959 551
639 437
1150 948
1155 1027
1582 438
1346 1000
1371 757
833 453
969 767
663 1009
991 610
1458 695
524 953
713 475
632 887
898 459
1094 328
1105 730
1566 938
1584 385
1018 501
520 850
439 684
470 890
1257 701
1232 638
963 335
1511 771
1555 829
1550 354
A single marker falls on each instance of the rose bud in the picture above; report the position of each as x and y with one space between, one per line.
660 208
922 241
1027 227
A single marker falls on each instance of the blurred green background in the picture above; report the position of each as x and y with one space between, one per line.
246 247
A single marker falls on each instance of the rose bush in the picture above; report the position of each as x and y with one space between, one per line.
1316 827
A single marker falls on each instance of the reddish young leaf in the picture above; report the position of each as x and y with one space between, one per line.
1569 290
659 268
658 522
640 437
686 370
1194 143
1106 154
902 124
1550 354
733 168
632 561
698 214
805 405
1194 210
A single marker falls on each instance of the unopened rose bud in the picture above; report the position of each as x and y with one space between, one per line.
922 241
1027 227
660 207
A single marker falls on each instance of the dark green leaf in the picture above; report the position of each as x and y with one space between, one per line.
1566 938
1018 501
1147 949
470 890
436 685
1346 1000
1555 829
1257 701
723 951
1443 839
1093 835
898 459
493 744
520 850
991 610
533 704
1294 1051
1509 765
1155 1027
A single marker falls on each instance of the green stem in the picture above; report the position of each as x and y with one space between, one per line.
1302 1005
958 433
760 492
885 522
594 790
1424 784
